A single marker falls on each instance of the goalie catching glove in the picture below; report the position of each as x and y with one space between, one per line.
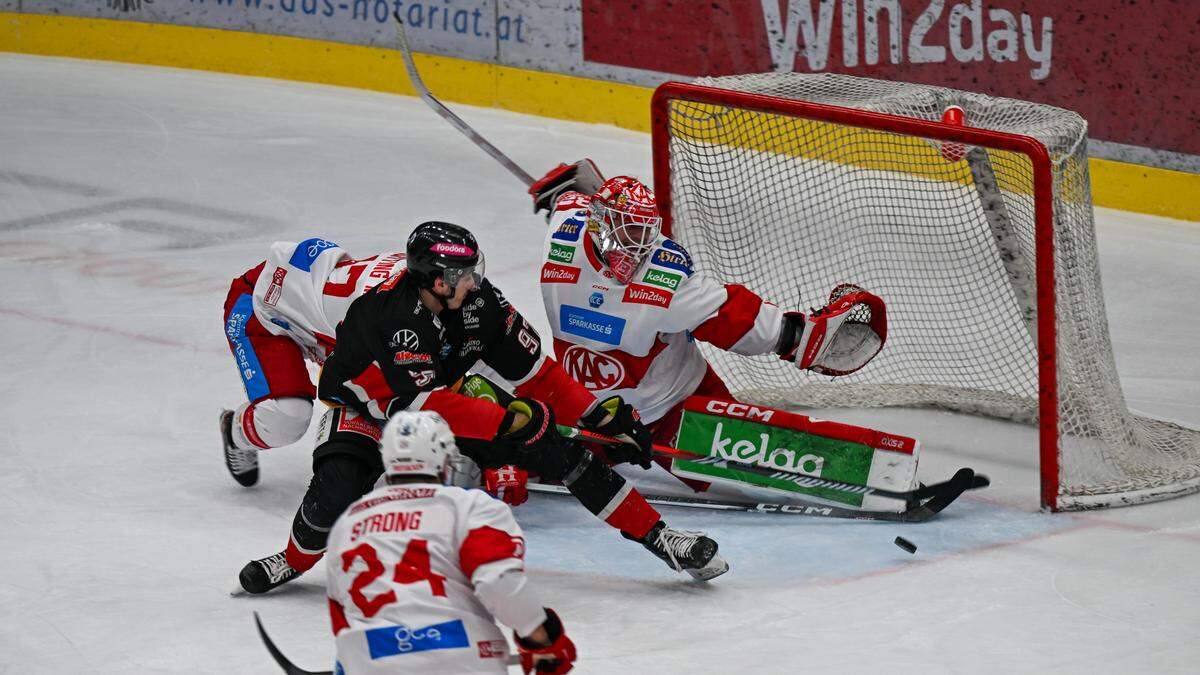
839 338
614 417
582 176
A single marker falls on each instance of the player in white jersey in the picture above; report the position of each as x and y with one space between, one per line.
419 572
278 314
626 305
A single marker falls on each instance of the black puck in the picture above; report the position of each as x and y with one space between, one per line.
906 545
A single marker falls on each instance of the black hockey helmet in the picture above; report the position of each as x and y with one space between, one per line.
438 249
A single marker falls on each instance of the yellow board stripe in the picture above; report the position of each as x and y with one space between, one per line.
1145 189
1130 187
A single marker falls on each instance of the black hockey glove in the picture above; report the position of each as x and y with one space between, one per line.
616 418
582 176
537 435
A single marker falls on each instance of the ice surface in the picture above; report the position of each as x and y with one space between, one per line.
130 196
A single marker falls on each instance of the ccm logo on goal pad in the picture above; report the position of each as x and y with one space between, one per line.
739 410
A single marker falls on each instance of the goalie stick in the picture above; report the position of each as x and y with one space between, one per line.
800 480
457 122
945 494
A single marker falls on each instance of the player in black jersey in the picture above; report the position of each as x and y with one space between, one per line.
404 346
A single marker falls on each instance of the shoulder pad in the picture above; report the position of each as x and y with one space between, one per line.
390 283
308 251
572 200
570 229
671 255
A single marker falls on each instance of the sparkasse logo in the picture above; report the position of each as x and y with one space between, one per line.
646 295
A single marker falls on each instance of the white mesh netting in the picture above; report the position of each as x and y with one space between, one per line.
792 207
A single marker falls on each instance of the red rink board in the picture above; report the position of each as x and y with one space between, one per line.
1129 67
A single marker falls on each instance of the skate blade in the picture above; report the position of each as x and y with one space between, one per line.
715 568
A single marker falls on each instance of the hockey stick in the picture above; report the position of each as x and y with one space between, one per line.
447 114
800 480
288 667
946 495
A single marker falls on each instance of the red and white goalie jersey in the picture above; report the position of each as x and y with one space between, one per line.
305 289
415 574
638 340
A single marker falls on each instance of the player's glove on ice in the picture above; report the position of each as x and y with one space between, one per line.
557 657
614 417
582 176
507 483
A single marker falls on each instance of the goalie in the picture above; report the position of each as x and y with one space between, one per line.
626 305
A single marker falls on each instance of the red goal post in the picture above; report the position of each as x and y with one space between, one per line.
836 159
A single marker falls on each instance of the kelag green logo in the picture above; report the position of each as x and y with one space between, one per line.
562 253
763 454
776 448
661 278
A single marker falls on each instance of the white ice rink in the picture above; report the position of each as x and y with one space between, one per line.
130 196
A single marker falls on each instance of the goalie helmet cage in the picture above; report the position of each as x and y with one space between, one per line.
980 239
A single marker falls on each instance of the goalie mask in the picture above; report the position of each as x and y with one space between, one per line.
624 216
418 444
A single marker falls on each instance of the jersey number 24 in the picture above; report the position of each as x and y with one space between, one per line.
413 567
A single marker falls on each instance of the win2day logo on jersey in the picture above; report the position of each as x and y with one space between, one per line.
647 295
591 325
559 274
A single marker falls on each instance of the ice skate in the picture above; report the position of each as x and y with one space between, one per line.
264 574
242 463
683 551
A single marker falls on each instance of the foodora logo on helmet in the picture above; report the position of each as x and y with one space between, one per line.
624 214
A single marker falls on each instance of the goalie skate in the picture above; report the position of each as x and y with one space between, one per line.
242 463
683 551
265 574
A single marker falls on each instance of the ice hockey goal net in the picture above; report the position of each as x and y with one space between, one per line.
793 183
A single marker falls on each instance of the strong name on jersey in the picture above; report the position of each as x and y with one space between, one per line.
403 566
305 289
638 340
